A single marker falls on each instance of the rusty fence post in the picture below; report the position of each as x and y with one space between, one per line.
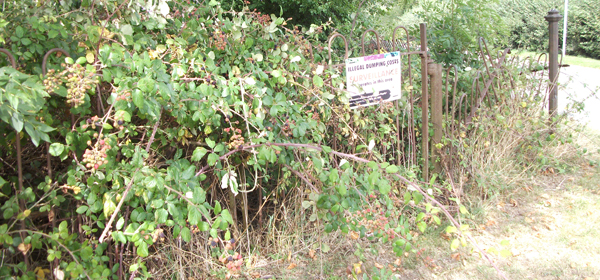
553 17
424 103
435 73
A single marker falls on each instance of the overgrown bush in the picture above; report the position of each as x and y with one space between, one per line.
164 121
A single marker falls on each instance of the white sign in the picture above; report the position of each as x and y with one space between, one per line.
373 79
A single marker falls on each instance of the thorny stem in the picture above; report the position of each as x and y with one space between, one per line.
114 214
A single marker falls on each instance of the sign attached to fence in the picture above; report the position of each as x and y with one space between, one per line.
373 79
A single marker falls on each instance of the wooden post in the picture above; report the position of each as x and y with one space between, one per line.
424 103
553 17
435 71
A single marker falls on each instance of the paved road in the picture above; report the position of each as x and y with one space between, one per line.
581 84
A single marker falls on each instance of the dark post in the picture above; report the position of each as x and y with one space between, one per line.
435 71
424 103
553 17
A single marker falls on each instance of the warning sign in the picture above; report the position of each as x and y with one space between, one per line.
373 79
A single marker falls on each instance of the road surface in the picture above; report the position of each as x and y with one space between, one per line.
576 84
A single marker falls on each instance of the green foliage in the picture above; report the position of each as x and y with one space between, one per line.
454 28
161 103
529 29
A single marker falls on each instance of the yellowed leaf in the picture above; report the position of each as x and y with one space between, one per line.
40 273
51 215
90 57
292 266
311 254
24 248
354 235
357 268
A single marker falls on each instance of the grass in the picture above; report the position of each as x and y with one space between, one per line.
569 59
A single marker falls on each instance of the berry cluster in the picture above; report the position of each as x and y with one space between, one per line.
52 80
236 139
93 122
262 19
232 260
77 79
125 96
95 157
286 130
373 220
218 38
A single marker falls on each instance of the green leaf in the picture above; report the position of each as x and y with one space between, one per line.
463 210
198 153
142 249
203 226
81 60
56 149
161 216
422 226
451 229
454 245
120 223
384 187
217 208
186 235
212 159
317 81
391 169
82 209
194 216
138 98
107 126
210 143
227 216
146 85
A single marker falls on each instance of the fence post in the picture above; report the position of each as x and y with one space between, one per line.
424 103
435 71
553 17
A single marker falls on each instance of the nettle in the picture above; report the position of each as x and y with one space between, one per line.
159 112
